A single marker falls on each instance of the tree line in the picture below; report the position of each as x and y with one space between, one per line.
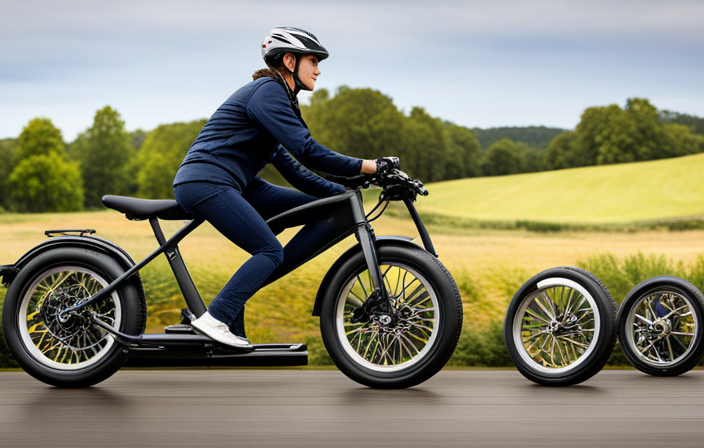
41 172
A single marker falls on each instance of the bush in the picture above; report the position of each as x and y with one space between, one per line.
317 354
482 348
620 275
6 358
46 183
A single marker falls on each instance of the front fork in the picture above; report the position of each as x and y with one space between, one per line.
367 239
378 300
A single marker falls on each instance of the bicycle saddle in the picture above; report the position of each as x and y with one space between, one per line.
143 209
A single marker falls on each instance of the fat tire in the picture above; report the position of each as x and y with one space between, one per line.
131 301
449 301
605 341
696 299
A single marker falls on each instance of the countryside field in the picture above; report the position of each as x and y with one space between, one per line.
488 265
614 194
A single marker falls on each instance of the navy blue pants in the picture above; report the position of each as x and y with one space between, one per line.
241 217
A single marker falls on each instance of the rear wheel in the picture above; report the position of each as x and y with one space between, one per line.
397 347
560 327
660 326
67 350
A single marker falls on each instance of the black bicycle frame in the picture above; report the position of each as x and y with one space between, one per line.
344 214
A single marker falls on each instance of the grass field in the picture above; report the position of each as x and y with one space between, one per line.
614 194
488 265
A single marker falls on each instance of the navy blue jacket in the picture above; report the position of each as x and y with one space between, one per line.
247 132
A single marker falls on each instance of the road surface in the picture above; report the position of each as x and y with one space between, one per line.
304 408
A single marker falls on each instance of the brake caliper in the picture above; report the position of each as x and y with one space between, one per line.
375 305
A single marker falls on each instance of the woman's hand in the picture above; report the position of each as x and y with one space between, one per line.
385 164
368 167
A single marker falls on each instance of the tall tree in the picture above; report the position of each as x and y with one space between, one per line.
161 155
681 141
40 137
361 123
464 153
610 134
46 183
696 124
426 145
105 151
561 153
501 158
137 138
532 159
7 164
43 180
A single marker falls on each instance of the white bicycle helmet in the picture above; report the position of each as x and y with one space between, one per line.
284 40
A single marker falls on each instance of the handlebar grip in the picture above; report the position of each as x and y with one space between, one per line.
387 164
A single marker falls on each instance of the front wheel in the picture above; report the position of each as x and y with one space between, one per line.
560 327
400 346
67 350
661 326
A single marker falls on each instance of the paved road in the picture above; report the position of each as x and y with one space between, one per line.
294 408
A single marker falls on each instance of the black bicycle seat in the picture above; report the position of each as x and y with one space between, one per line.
143 209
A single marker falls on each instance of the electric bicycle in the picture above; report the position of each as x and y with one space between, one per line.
390 312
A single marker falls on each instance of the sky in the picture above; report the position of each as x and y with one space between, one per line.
475 63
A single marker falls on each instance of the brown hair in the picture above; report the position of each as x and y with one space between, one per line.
264 73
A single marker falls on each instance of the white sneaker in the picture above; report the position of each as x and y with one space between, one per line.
218 331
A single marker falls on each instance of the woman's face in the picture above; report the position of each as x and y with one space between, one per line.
308 71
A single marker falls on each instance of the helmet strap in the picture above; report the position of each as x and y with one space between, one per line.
296 80
291 94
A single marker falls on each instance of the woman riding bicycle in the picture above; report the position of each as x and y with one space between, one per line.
260 123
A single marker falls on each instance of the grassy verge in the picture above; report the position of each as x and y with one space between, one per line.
450 223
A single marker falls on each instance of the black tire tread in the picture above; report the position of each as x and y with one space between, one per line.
609 332
694 357
431 367
134 315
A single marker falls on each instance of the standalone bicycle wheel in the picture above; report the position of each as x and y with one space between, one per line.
67 350
397 347
660 326
560 327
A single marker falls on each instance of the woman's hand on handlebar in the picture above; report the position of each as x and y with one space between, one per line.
380 165
368 167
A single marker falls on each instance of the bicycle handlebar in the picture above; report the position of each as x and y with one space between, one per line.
396 184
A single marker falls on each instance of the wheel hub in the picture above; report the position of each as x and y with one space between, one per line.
62 325
659 328
385 320
554 327
564 325
398 321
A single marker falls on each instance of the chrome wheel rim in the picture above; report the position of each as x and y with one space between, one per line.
66 342
557 326
399 340
662 327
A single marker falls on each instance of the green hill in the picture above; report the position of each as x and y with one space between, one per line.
659 190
